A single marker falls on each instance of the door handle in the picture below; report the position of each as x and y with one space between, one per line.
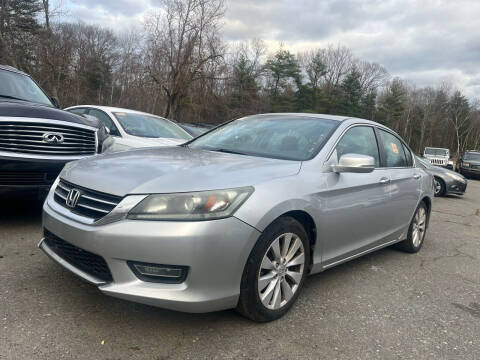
417 176
384 181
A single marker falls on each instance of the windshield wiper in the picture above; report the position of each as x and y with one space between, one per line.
226 151
12 97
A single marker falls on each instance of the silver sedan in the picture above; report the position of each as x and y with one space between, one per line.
238 217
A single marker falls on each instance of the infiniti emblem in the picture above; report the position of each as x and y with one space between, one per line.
53 138
72 198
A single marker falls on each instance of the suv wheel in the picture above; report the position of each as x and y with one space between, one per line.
275 271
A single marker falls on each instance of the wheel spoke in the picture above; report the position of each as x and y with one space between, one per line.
277 296
295 276
286 243
265 280
267 295
276 250
300 259
293 249
267 263
286 290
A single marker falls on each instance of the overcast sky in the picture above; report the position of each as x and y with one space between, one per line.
424 41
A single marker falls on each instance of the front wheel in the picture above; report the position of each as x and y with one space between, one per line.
439 186
416 231
275 271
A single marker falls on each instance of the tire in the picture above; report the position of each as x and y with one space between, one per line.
280 281
413 244
439 186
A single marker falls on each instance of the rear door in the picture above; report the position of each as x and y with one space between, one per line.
404 187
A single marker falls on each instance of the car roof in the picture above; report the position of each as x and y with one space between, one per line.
12 69
111 109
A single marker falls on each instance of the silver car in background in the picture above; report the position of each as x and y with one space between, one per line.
238 217
132 129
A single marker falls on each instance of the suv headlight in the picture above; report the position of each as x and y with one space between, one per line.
194 206
465 165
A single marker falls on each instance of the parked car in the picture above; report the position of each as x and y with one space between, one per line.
240 215
195 129
131 129
36 138
469 163
438 156
446 181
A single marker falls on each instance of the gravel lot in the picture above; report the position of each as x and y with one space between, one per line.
387 305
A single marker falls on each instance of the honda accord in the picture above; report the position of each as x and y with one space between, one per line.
238 217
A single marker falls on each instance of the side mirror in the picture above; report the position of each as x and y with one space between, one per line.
354 163
55 102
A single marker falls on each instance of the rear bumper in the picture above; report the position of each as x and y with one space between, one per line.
215 253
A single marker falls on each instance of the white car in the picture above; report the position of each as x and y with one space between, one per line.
133 129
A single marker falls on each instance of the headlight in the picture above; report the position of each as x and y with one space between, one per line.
202 205
465 165
455 176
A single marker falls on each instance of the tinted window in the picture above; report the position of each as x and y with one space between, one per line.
408 156
150 126
472 156
393 150
106 121
275 136
77 111
359 140
21 87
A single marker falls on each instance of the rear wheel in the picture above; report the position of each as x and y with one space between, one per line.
439 186
275 271
416 231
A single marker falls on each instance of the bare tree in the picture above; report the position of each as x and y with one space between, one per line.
183 43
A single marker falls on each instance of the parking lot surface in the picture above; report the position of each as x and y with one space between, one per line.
386 305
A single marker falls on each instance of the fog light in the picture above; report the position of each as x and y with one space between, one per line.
158 272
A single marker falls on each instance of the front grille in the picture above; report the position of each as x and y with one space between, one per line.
437 161
86 261
91 204
26 178
28 138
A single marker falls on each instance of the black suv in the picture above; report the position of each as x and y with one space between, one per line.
36 138
469 163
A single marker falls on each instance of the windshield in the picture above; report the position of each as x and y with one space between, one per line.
21 87
150 126
274 136
436 152
472 156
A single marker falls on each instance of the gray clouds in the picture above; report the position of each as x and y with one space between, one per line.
426 41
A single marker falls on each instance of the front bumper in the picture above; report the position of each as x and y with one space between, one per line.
470 171
215 252
456 187
28 173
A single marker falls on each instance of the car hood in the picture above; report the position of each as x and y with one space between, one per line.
25 109
173 169
439 171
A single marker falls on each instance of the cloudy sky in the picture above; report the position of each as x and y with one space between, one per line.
423 41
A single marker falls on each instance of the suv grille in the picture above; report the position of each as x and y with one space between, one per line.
91 204
438 161
31 138
84 260
26 178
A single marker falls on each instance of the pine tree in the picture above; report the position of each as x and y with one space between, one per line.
351 94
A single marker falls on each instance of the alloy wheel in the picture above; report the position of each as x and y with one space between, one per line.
419 225
281 271
438 186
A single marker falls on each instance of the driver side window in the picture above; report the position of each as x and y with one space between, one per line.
359 140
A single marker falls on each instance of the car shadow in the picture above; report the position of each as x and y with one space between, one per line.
20 207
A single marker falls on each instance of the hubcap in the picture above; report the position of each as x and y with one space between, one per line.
418 228
281 271
438 186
